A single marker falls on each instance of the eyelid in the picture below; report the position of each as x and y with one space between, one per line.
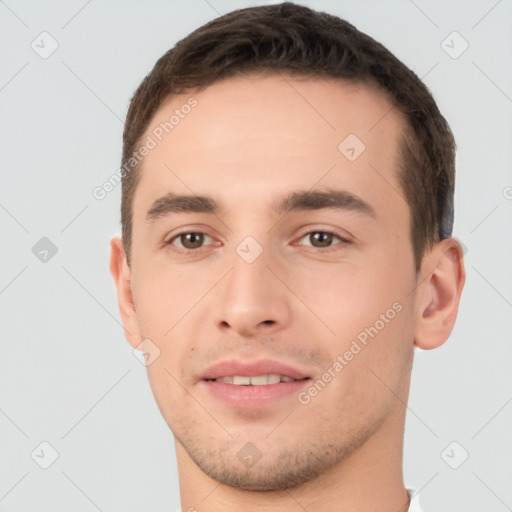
342 235
334 245
188 228
178 235
199 230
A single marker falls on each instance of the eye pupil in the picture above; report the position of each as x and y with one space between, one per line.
192 240
320 239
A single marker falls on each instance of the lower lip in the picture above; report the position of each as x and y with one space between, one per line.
249 397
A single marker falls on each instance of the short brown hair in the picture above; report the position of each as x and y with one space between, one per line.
296 39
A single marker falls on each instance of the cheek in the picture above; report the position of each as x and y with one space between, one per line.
165 294
371 318
375 360
349 299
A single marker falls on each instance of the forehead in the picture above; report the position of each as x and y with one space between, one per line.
240 134
245 106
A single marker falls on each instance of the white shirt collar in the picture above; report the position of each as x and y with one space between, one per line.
415 501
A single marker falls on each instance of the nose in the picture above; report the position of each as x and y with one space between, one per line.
253 300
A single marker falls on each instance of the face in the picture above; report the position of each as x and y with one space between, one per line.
272 267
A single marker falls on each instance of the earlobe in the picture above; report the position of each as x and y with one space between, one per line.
438 295
121 274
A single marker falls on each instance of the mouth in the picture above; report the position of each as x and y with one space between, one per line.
258 380
253 384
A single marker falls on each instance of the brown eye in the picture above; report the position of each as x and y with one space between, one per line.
323 240
189 240
320 239
192 240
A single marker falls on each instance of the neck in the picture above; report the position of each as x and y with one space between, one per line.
369 480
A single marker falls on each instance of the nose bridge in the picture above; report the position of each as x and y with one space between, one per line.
253 298
249 275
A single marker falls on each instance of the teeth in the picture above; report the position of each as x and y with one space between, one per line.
227 380
259 380
241 381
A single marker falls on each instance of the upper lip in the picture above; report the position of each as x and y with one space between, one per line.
233 367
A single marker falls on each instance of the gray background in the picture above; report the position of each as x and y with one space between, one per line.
67 375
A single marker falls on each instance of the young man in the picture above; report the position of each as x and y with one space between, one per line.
286 242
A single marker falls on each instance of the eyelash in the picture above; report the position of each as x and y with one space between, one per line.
342 240
185 250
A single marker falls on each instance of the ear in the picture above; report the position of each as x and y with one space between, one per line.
442 278
121 274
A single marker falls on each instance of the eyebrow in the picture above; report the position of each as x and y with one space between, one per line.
173 203
317 200
295 201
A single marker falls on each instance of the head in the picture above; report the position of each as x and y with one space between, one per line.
297 40
297 210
